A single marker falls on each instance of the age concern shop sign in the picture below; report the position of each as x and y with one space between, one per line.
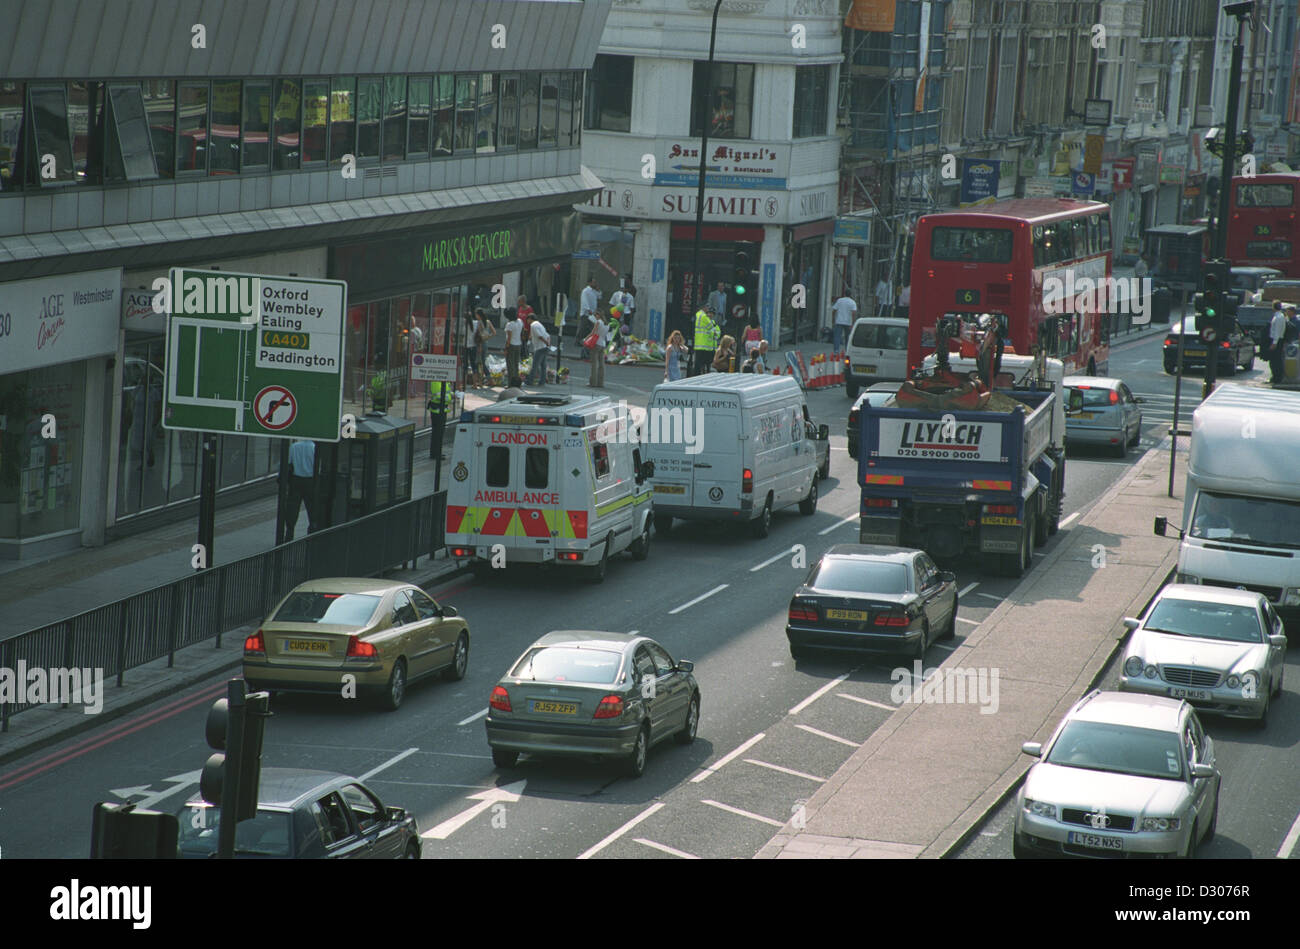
58 319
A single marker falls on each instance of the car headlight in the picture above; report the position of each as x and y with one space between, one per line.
1150 672
1291 596
1133 666
1040 808
1234 682
1160 824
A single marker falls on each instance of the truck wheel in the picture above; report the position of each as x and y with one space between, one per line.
1041 527
763 523
640 548
597 573
663 524
808 505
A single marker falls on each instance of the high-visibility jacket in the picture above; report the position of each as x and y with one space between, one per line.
706 332
437 405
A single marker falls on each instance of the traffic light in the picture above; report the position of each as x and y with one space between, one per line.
122 831
231 777
741 275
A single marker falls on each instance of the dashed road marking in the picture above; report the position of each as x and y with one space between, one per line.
854 698
822 734
1292 837
791 771
592 851
473 718
387 764
736 810
1067 521
771 560
848 520
699 599
967 588
717 766
665 848
962 619
818 694
990 596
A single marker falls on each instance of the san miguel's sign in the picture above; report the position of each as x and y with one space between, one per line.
752 166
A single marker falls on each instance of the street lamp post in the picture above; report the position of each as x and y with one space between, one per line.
704 150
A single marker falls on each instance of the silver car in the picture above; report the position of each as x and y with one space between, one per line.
586 692
1222 650
1122 776
1109 417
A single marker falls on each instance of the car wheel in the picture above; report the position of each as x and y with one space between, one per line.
951 629
851 388
1018 852
663 524
918 652
687 734
412 851
763 523
596 574
1231 368
1121 450
395 691
504 759
1214 820
1262 722
460 659
640 548
1137 435
808 506
634 766
1189 853
1170 367
1278 689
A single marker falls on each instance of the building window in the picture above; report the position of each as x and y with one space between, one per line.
394 118
565 127
257 124
508 134
578 79
11 120
343 118
729 102
315 120
609 94
370 107
486 140
550 109
417 141
811 100
466 113
444 114
48 108
129 148
529 99
224 159
85 109
192 128
288 124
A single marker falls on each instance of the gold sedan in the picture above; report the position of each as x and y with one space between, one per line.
356 637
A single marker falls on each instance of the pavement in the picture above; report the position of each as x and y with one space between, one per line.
1047 644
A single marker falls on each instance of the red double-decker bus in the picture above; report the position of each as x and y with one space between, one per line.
1038 263
1262 222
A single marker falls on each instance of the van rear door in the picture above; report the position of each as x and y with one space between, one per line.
717 468
515 501
666 446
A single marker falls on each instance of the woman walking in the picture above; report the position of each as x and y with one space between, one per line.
674 357
601 329
483 331
753 335
725 354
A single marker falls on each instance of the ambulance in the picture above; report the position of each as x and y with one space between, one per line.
553 480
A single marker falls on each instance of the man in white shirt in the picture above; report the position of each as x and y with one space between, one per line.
718 300
845 311
587 305
541 341
625 298
514 340
904 301
1276 332
884 297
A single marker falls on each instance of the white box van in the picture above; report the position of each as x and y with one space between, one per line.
750 455
551 480
876 352
1241 514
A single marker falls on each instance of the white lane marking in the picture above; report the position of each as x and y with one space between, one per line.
854 698
943 646
967 588
505 794
848 520
990 596
750 814
387 764
473 718
698 599
592 851
1065 522
962 619
818 694
822 734
777 767
1292 837
717 766
770 560
665 848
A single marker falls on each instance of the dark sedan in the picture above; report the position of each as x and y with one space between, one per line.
1236 350
306 815
862 597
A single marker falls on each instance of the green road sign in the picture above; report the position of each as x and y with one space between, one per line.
254 355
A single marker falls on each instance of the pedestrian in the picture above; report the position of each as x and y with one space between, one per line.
483 331
717 300
514 340
601 329
725 357
623 298
674 356
706 341
541 342
845 311
527 314
904 301
587 310
760 357
884 296
469 352
753 335
1142 267
1276 335
302 471
751 362
416 336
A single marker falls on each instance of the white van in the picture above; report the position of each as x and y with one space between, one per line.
552 480
876 352
747 452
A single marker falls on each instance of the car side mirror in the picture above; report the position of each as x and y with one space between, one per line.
647 470
947 576
1032 748
1279 641
396 814
1203 771
1161 525
823 432
449 611
1131 623
685 665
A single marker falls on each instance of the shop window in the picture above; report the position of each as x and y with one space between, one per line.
537 468
192 128
498 466
550 109
232 460
417 140
343 118
811 102
529 102
370 106
609 94
729 105
286 154
486 140
444 114
508 128
40 478
257 125
466 113
224 159
315 117
48 112
129 148
1105 232
394 146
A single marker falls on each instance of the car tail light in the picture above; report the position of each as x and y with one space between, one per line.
1171 341
803 612
853 418
611 706
891 618
1000 509
255 645
1114 397
461 552
500 699
359 650
571 555
747 481
1225 344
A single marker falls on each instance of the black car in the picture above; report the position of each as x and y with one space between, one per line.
1235 351
1244 281
306 815
865 597
1255 319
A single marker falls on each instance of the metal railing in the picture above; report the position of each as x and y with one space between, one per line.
147 626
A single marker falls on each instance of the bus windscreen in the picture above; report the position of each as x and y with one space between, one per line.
986 245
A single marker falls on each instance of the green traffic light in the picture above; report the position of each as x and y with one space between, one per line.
1210 314
740 289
